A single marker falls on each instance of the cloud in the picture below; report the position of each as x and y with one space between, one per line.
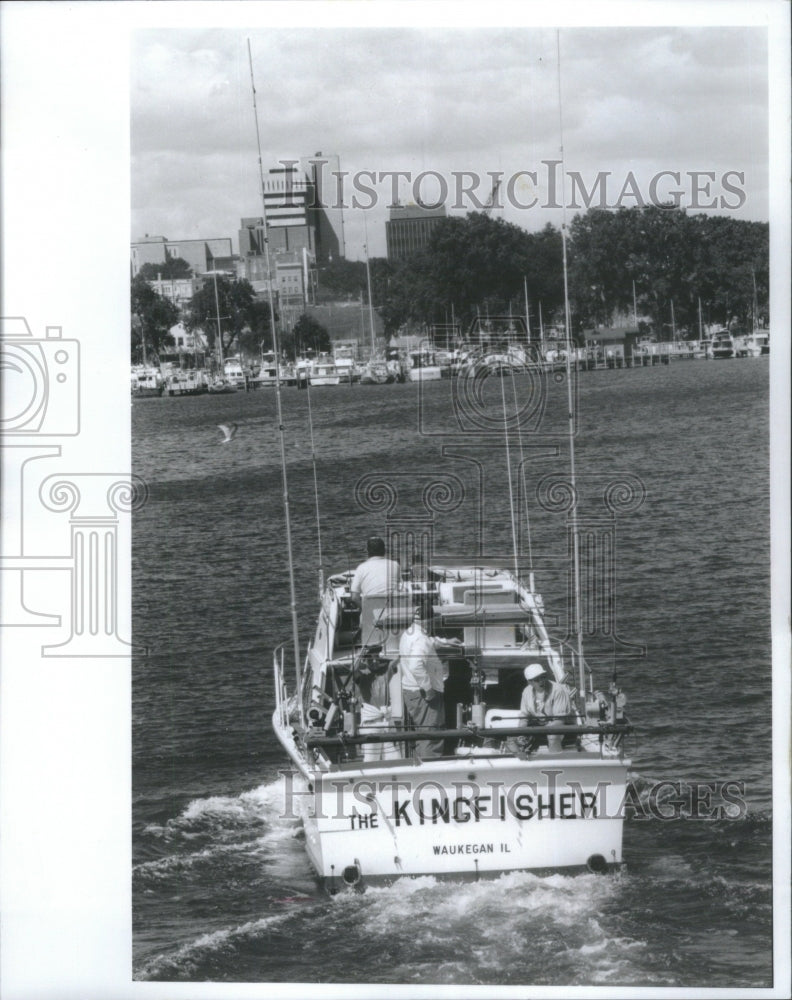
642 99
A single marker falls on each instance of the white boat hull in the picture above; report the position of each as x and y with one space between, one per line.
467 817
427 374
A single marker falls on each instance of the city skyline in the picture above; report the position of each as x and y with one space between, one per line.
422 113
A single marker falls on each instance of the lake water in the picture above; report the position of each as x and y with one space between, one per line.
222 887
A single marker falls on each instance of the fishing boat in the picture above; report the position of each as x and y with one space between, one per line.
424 367
220 386
721 345
345 365
235 373
487 785
186 383
268 372
752 345
146 382
323 371
492 802
376 372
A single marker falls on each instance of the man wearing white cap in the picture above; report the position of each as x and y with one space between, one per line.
543 700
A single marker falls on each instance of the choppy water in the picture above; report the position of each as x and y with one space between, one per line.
222 888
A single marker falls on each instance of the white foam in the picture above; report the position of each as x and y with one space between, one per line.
186 958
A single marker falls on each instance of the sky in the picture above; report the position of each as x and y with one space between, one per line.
635 101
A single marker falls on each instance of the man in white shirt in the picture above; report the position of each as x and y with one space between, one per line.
423 676
377 575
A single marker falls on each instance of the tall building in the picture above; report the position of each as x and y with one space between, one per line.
287 199
328 211
304 211
409 227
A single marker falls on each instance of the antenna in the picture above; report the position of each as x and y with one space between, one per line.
571 416
276 345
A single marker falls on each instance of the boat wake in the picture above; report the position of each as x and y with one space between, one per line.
219 828
240 855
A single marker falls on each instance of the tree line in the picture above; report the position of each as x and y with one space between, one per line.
655 261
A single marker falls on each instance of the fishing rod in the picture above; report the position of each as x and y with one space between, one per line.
316 490
571 417
509 474
287 519
413 735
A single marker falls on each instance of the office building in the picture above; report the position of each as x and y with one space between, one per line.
409 228
199 254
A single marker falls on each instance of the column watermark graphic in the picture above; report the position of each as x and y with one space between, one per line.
42 405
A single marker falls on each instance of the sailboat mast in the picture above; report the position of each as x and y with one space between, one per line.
368 285
571 416
219 331
287 519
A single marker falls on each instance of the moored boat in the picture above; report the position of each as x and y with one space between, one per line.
375 810
323 371
186 383
221 386
376 372
345 365
423 367
235 374
147 382
721 345
752 345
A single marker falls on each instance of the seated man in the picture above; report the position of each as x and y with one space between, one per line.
544 700
373 690
377 575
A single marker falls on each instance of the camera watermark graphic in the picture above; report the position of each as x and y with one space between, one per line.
40 381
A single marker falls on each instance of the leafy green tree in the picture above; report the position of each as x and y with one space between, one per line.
307 335
152 317
173 267
674 260
244 321
341 279
473 266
